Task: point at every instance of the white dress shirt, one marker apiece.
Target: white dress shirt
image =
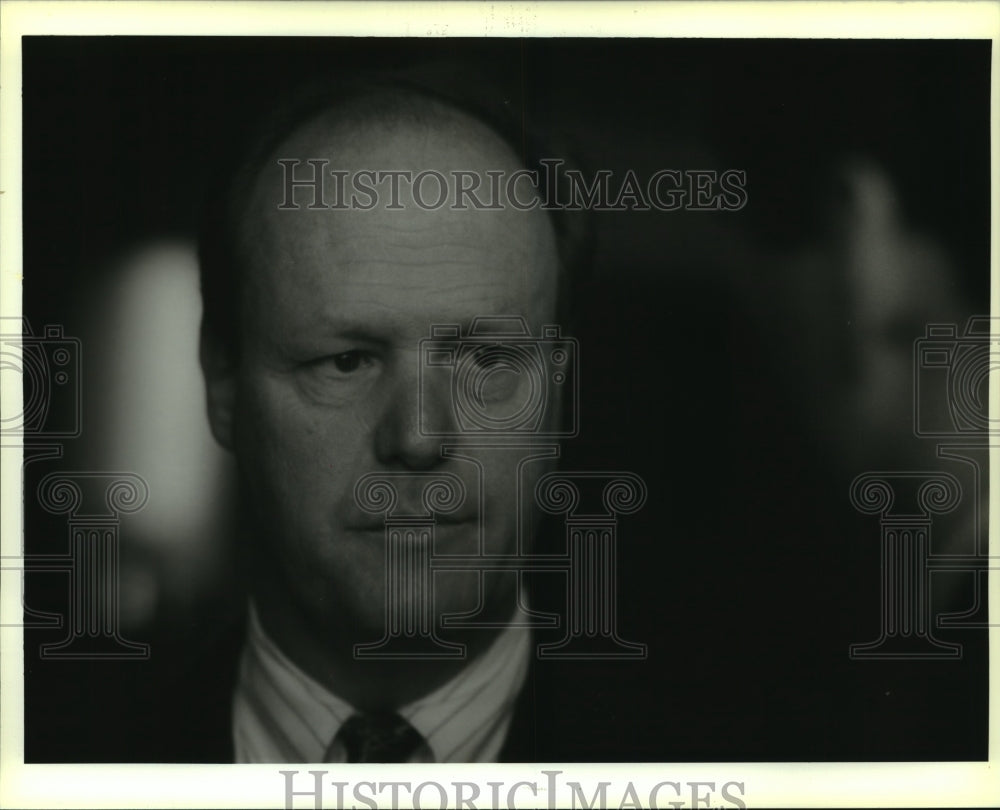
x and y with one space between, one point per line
280 714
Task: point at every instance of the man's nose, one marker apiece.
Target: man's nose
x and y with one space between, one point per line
414 415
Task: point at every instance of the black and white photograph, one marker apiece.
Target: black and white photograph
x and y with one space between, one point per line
585 403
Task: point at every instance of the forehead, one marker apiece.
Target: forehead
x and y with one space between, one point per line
399 264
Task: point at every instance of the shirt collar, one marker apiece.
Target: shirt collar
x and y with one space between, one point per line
281 714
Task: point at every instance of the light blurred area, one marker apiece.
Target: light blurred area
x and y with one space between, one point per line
852 304
144 407
842 318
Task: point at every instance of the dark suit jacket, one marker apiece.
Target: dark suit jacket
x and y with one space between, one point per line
570 711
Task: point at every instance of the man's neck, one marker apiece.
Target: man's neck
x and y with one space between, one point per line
367 684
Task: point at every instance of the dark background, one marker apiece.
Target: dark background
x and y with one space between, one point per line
716 348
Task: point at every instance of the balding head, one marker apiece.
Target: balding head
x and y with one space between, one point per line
410 220
332 123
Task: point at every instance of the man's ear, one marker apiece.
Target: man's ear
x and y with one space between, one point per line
218 366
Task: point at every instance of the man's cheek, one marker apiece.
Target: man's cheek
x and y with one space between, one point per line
283 429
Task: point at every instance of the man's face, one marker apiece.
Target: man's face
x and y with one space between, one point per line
335 303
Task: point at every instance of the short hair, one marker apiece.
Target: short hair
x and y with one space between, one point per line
360 96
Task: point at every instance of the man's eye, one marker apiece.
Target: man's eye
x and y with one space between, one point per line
341 364
347 362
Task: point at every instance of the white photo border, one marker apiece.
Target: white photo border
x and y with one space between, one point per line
251 786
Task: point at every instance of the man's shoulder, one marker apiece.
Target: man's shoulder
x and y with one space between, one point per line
194 715
175 706
611 711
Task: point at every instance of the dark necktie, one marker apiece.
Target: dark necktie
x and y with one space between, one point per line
382 737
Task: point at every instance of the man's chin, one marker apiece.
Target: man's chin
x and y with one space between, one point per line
382 616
